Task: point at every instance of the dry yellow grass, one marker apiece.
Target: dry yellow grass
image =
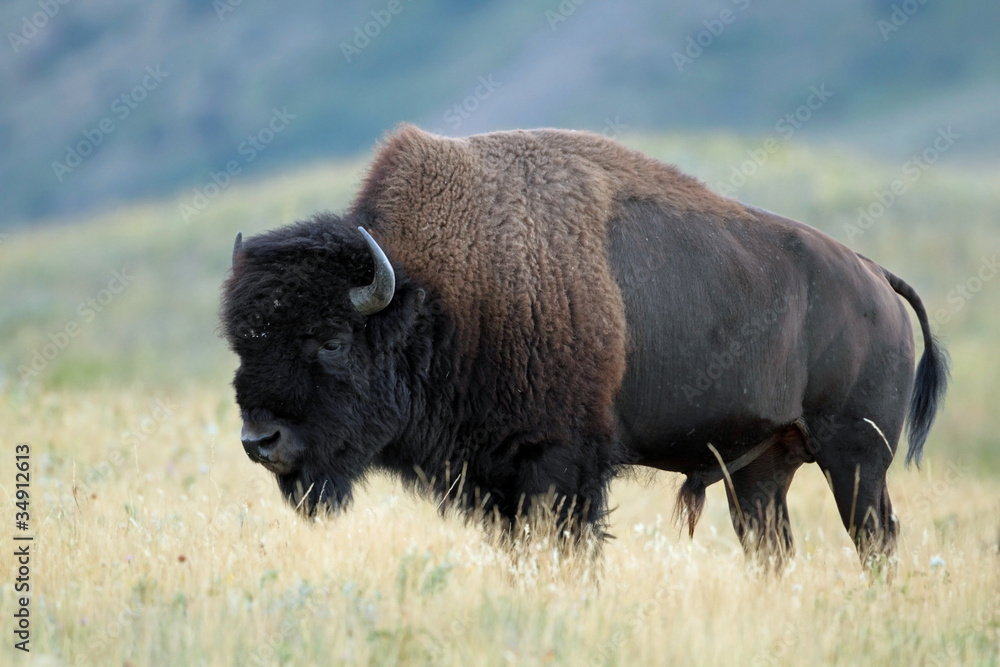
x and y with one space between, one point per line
175 550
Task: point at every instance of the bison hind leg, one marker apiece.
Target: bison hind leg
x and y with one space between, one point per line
690 502
757 497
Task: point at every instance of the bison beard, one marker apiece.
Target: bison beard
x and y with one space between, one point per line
555 299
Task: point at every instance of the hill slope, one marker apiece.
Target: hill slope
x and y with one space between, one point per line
83 121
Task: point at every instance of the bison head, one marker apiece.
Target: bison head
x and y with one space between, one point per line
321 323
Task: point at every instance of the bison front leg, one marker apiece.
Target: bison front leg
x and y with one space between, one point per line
758 509
557 487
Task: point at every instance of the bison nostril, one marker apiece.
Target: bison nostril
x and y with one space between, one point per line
259 441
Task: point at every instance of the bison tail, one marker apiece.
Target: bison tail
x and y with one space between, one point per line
932 375
690 502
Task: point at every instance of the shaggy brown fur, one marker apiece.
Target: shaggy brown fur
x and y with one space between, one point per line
455 211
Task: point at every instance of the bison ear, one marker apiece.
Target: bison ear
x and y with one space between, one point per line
392 332
238 245
372 298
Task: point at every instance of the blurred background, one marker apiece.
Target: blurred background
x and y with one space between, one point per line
136 140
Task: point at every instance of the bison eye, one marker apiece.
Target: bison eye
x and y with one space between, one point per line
332 352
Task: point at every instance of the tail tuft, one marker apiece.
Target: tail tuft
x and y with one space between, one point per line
928 394
690 502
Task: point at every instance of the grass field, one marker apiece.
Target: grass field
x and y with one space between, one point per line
157 542
168 547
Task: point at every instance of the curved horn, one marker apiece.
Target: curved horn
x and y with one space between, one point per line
238 245
370 299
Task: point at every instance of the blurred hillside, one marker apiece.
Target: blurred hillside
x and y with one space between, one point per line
108 103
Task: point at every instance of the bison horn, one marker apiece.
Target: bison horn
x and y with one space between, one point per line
372 298
238 245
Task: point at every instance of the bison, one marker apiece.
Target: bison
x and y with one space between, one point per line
525 314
